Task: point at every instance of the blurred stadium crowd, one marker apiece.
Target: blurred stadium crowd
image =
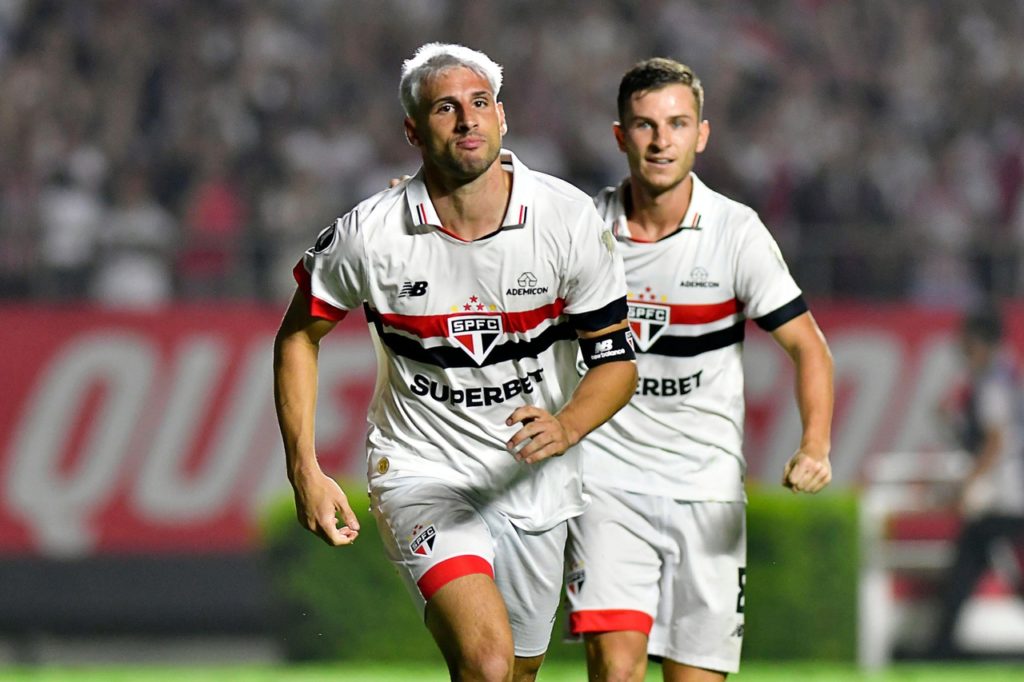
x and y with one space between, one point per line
158 150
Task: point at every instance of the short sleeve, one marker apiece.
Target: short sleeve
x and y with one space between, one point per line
763 283
332 271
595 286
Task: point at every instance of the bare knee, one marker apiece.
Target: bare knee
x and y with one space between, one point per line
618 669
486 663
468 620
617 657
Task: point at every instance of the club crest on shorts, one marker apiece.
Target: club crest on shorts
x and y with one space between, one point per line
423 540
476 328
647 321
574 581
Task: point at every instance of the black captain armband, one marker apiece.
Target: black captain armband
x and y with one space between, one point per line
610 347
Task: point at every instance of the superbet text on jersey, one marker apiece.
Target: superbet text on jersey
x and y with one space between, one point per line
689 297
466 332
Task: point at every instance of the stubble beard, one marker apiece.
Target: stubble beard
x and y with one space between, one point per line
661 183
469 167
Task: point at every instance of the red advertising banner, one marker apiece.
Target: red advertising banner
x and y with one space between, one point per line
155 432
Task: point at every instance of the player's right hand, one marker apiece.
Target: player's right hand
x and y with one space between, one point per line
319 502
805 473
542 435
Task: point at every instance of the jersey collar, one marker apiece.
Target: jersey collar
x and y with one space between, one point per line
519 205
694 219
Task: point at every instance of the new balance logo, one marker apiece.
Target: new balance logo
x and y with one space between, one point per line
413 289
603 346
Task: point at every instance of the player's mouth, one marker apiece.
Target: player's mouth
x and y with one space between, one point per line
659 161
471 143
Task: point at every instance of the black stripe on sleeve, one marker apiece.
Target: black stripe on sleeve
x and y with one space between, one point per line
605 316
689 346
780 316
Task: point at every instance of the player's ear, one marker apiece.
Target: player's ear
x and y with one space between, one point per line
503 124
410 132
703 133
620 135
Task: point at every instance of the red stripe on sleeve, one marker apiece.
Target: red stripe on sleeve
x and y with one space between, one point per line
702 314
448 570
317 307
610 620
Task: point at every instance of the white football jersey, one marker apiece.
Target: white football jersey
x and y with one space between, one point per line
995 405
689 296
466 332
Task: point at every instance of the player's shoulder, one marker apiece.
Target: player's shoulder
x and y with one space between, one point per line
727 213
380 207
374 213
606 199
559 193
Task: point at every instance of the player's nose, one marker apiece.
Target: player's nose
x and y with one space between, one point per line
467 119
659 139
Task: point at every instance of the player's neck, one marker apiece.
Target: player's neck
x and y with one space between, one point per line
474 209
653 215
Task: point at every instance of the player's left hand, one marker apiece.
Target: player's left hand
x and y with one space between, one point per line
805 473
546 436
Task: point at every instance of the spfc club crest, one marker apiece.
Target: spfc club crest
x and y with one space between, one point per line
574 581
423 540
476 331
647 321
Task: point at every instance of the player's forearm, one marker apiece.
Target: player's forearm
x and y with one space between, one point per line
295 384
603 391
814 395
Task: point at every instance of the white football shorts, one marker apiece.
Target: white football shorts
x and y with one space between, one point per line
671 569
434 534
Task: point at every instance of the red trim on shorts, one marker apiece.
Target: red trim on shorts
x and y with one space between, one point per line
317 307
610 620
448 570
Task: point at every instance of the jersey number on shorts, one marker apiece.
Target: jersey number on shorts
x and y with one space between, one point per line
740 599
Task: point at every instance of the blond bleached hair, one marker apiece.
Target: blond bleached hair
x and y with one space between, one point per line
434 58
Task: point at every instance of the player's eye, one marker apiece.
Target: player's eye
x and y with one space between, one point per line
480 103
